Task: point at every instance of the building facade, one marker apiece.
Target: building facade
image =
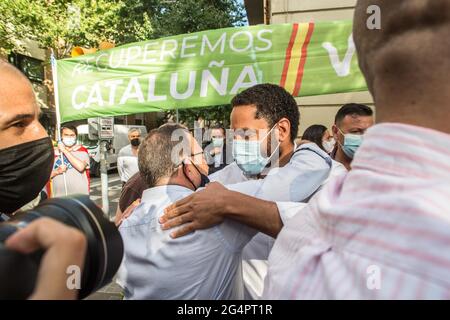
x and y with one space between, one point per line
317 109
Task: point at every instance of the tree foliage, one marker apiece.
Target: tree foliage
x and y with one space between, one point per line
177 17
62 24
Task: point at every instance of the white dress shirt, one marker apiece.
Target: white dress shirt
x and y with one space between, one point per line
231 174
382 231
127 163
308 169
205 264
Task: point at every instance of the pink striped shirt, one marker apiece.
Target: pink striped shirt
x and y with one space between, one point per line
381 231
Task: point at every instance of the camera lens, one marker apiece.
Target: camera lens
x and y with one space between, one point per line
104 244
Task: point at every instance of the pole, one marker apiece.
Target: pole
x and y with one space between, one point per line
178 119
104 177
58 115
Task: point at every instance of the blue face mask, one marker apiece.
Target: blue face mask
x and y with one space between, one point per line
248 157
351 143
217 142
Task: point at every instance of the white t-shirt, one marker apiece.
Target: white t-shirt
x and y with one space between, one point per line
127 163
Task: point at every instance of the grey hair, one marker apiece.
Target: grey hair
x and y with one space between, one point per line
155 158
133 130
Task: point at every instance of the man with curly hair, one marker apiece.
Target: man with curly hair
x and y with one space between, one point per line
267 167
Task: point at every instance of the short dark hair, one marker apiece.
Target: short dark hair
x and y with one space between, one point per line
352 109
218 126
155 153
272 104
315 134
69 127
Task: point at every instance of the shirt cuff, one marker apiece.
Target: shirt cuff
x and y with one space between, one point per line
288 210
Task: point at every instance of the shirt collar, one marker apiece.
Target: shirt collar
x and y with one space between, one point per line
311 145
405 150
160 191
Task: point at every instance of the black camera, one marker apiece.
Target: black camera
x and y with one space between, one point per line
18 272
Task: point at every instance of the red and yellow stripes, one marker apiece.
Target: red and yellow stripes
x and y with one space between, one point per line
296 52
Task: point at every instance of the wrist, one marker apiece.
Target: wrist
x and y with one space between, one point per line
228 203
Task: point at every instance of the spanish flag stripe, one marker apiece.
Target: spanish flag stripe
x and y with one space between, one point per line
288 55
301 67
295 58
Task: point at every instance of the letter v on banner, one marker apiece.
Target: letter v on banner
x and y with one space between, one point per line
342 68
296 52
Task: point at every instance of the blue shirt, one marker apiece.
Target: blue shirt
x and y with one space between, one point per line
205 264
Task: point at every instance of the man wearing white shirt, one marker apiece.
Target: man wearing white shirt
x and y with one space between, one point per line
216 152
127 161
265 122
205 264
382 231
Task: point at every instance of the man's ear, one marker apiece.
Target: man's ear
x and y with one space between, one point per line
335 130
187 167
284 129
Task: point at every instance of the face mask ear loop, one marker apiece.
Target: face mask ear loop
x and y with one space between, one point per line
343 134
268 133
278 146
187 177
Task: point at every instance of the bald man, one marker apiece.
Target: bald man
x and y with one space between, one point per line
382 231
26 159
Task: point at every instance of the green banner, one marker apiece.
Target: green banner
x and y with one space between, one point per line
208 68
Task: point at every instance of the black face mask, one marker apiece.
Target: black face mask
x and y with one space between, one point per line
204 180
135 142
24 171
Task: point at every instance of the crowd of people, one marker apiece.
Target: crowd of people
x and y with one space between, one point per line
358 212
231 225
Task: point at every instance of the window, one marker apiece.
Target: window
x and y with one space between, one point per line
31 67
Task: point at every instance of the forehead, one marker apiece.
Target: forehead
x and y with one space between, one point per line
16 94
195 146
190 144
353 121
243 117
134 133
67 131
217 132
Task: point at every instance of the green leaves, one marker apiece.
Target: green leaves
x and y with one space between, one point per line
178 17
216 114
60 25
63 24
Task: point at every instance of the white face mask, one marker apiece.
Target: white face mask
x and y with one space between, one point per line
329 145
69 141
